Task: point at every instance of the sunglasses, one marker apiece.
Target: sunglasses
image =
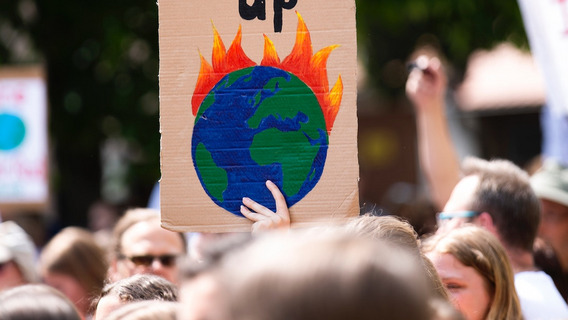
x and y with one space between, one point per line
458 214
167 260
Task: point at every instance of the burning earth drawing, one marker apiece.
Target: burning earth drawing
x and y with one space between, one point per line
258 122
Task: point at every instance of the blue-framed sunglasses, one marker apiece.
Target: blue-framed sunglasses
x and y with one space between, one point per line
458 214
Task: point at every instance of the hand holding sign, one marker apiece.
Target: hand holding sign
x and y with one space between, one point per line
265 219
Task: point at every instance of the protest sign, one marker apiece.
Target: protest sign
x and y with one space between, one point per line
253 91
23 139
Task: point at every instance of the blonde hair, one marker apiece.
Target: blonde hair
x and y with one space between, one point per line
477 248
395 230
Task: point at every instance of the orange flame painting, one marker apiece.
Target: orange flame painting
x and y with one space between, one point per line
308 67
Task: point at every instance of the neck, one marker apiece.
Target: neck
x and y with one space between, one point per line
563 260
521 260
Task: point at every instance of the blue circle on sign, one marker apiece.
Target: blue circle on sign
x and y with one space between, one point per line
12 131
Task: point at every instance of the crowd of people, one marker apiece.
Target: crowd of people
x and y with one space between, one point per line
500 252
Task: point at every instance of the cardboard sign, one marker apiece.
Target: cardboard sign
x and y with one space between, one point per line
23 139
252 91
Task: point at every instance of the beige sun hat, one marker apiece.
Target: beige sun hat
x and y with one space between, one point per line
551 182
16 245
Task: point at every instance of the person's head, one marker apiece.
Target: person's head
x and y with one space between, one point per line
36 301
550 184
497 195
327 276
17 256
140 287
141 245
475 269
146 310
395 230
74 264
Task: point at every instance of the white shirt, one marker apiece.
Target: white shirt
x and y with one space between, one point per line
539 297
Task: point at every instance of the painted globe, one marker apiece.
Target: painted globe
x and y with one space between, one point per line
256 124
12 131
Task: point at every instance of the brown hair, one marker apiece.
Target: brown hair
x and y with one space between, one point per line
478 248
394 229
504 192
74 252
327 276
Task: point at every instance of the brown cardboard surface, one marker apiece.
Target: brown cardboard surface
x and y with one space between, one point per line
186 31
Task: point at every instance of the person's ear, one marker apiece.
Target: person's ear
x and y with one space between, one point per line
486 221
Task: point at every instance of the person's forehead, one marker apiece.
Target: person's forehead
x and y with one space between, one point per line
462 194
148 237
106 305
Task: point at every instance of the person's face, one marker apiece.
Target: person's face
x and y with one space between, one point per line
554 226
70 287
467 288
460 200
148 240
10 275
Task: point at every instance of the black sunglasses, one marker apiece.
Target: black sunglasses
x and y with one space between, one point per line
167 260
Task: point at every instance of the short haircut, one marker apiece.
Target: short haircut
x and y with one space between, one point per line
36 301
505 193
328 276
139 287
129 219
479 249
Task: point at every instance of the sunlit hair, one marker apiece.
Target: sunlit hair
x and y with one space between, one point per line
478 248
74 252
36 301
504 191
394 229
331 275
139 287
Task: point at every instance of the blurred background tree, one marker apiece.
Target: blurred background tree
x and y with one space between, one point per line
101 59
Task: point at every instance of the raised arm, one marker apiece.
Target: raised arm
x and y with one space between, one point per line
426 87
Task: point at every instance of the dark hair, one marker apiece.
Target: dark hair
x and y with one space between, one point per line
139 287
505 193
36 301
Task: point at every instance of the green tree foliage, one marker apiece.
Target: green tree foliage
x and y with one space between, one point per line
389 31
101 59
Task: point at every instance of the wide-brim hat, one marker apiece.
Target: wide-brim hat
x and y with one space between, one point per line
551 182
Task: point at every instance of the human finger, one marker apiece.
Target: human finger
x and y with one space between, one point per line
257 207
253 216
281 206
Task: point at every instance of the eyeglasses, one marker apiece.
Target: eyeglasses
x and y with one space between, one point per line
458 214
167 260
